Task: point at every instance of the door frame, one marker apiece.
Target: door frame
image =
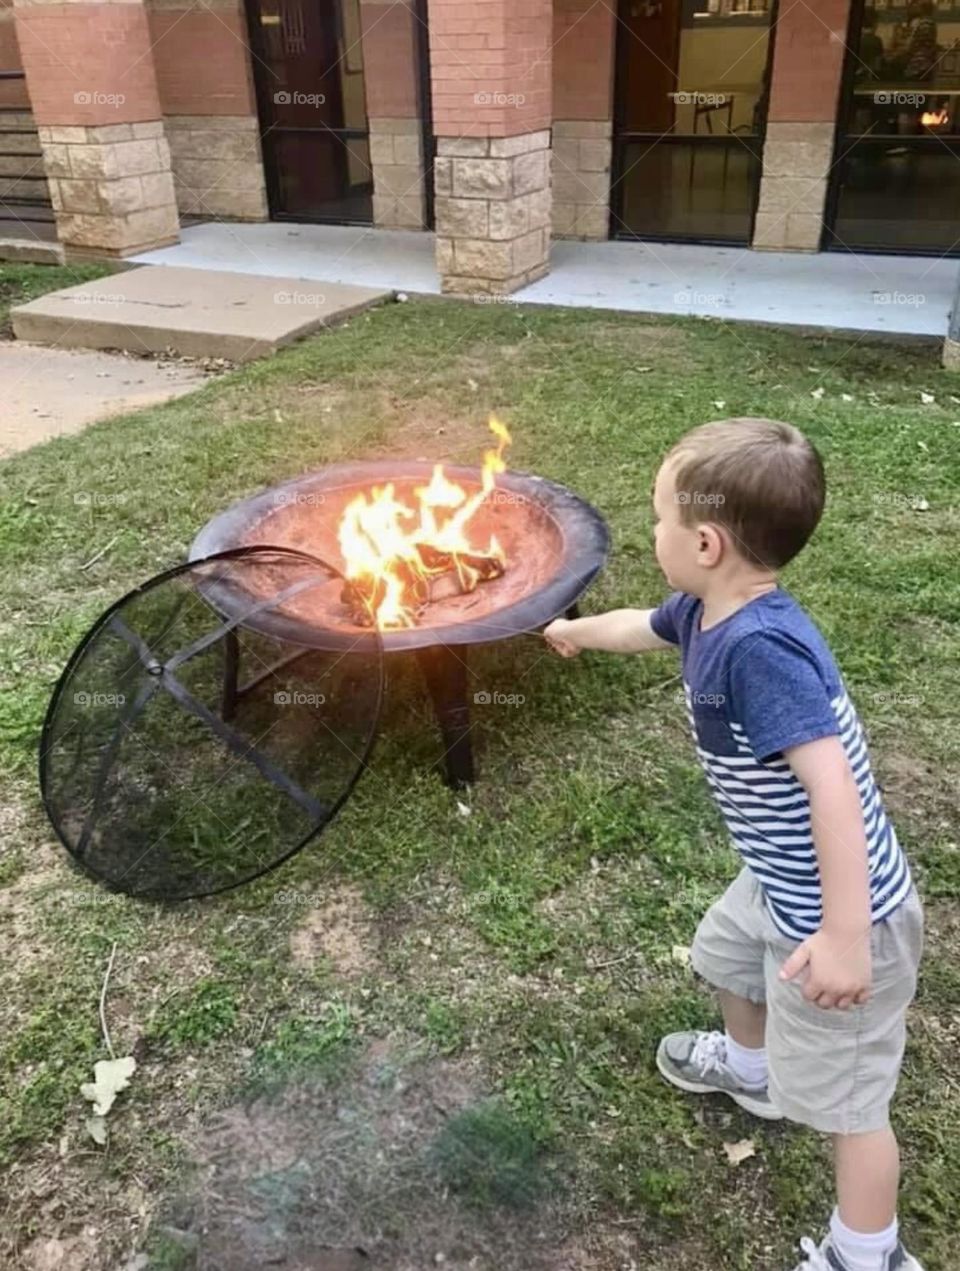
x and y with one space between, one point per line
845 103
622 138
263 93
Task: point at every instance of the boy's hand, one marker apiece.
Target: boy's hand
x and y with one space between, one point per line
557 636
838 967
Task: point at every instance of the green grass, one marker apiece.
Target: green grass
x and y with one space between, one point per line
533 939
20 283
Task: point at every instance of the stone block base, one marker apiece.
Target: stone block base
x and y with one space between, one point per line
492 212
582 154
951 354
217 166
793 189
396 160
111 188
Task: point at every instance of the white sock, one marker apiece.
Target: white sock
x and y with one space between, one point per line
863 1251
748 1066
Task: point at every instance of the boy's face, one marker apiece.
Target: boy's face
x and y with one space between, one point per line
677 545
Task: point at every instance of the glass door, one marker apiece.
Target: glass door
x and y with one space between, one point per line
896 177
690 109
308 68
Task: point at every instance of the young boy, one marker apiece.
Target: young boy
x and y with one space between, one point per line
814 948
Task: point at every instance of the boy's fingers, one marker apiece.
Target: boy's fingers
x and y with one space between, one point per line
796 962
844 1003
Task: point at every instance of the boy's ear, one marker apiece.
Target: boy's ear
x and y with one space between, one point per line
710 545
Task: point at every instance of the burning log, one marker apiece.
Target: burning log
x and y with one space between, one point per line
446 574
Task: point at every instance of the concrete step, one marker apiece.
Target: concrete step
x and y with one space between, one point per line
17 245
197 312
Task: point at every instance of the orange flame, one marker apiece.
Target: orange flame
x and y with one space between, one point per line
934 118
391 550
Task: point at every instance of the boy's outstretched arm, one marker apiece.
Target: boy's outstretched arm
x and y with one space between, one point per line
837 957
619 631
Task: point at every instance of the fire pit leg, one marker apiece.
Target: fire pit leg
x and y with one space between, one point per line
573 612
445 674
231 675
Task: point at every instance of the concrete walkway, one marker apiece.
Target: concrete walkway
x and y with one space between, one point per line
893 294
209 313
50 391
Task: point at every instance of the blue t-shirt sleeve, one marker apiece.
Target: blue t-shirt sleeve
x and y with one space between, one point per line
668 619
780 695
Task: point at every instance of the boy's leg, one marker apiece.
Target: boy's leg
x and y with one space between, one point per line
745 1021
728 951
836 1071
868 1177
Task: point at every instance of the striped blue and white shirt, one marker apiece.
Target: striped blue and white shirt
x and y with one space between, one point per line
757 683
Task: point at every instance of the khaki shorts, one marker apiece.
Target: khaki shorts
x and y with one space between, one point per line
833 1070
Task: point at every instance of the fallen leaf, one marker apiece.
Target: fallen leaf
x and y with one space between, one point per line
463 809
720 404
927 398
920 505
110 1076
681 953
472 385
817 393
96 1127
742 1151
846 397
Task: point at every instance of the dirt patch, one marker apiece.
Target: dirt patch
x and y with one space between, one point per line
53 391
53 1254
340 930
404 1164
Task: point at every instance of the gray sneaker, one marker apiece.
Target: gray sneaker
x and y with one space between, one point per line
697 1063
826 1258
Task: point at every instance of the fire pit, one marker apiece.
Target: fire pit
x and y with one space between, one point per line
552 544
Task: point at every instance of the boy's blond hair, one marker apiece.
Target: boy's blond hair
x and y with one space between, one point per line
759 478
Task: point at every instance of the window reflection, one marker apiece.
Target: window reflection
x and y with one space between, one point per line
898 160
690 91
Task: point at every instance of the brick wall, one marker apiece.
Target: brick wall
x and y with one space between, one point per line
808 54
85 63
202 61
389 59
490 66
583 50
205 83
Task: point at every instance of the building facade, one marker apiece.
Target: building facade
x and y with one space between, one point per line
798 125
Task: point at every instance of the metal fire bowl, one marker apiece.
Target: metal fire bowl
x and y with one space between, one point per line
555 544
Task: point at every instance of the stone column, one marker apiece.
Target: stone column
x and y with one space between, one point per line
201 53
390 72
491 78
810 38
583 53
91 81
